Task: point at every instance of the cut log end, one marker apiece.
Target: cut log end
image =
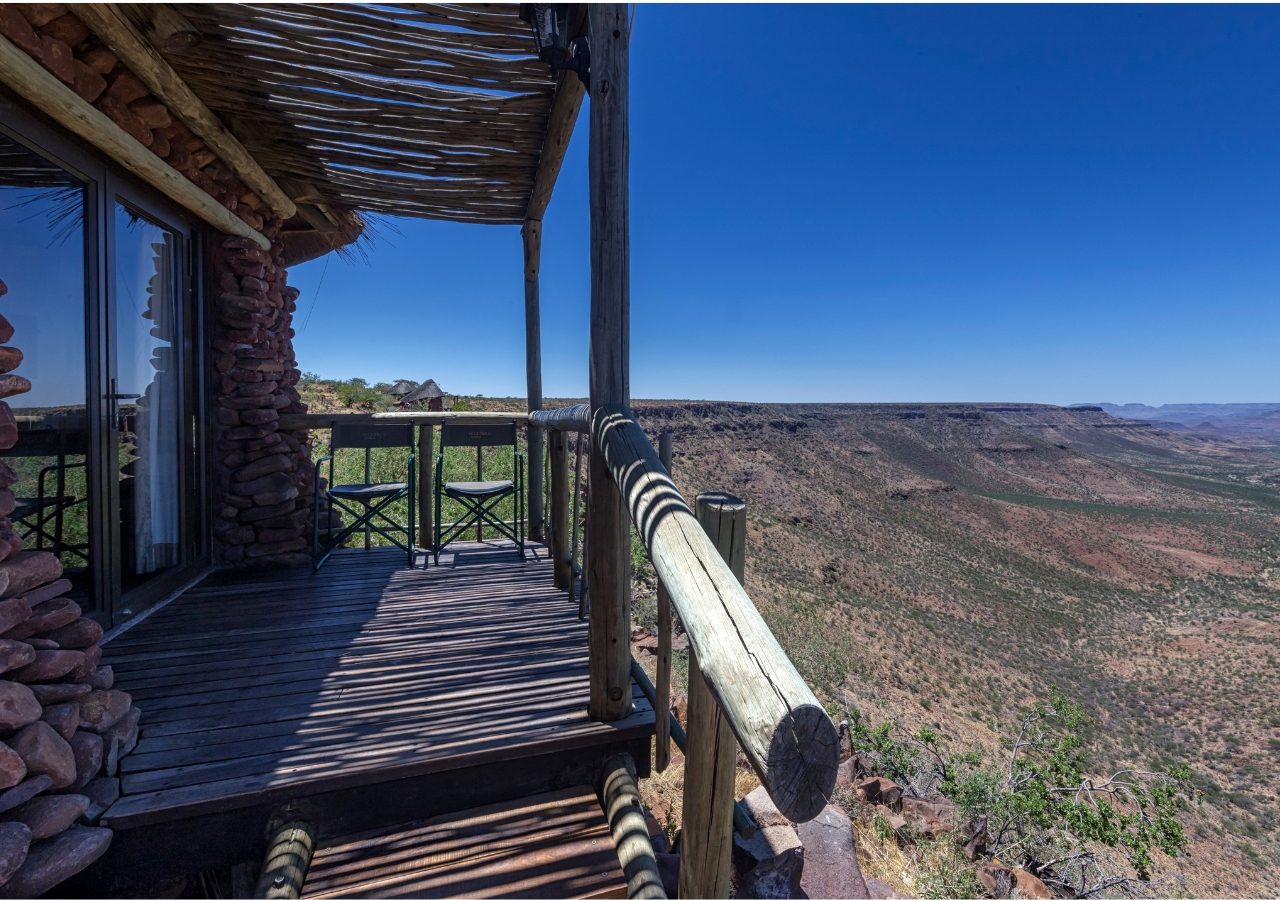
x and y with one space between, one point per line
803 757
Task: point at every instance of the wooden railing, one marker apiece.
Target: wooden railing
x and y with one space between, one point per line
741 683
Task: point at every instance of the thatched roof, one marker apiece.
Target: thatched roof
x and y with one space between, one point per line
427 110
428 390
402 387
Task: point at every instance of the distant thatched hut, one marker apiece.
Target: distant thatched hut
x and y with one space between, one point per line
402 388
426 394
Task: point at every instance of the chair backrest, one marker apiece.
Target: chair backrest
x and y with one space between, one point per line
369 434
484 434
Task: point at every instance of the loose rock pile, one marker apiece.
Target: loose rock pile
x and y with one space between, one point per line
264 482
63 728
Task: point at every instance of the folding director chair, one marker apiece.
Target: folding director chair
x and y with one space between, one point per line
479 498
365 504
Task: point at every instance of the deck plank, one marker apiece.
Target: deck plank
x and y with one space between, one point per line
272 685
551 845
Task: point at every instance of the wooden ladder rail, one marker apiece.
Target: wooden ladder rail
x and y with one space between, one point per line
751 687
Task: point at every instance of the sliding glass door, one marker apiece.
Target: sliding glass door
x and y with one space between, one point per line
106 469
148 290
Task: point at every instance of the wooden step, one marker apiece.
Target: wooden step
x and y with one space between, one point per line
548 845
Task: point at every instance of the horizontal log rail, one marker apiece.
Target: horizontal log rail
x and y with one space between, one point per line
566 418
304 421
782 728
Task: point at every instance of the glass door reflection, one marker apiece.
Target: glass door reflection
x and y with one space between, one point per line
146 388
46 475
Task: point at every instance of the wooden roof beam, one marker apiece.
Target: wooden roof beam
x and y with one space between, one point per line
45 92
564 113
118 33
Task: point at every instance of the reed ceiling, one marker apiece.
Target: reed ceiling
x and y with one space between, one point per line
433 111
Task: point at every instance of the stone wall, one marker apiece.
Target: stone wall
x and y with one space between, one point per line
262 490
63 728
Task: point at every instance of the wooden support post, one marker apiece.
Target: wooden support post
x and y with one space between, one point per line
621 798
608 529
662 702
532 239
560 534
707 835
288 859
426 485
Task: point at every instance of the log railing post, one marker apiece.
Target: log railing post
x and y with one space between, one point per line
288 858
662 740
531 234
608 529
559 533
426 485
621 799
707 831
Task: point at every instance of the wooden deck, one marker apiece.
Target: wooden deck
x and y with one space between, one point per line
354 696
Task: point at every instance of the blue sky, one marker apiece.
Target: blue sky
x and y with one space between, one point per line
1057 204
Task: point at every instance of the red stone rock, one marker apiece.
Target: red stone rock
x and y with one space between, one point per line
81 633
51 862
121 740
18 706
16 28
24 791
12 385
12 768
46 616
99 710
102 792
89 750
51 694
88 666
47 591
45 753
152 112
879 790
10 358
30 569
88 83
100 59
58 58
104 678
126 119
830 860
13 613
50 814
15 841
126 88
8 424
68 29
49 665
15 655
63 718
39 14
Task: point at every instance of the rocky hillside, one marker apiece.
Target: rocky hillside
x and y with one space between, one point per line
948 564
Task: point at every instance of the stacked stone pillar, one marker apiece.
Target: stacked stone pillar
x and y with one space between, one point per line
264 474
63 728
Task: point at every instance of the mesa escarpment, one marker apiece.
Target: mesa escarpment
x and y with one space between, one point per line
950 563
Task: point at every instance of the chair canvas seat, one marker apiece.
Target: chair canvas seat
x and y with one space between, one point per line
367 491
478 488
